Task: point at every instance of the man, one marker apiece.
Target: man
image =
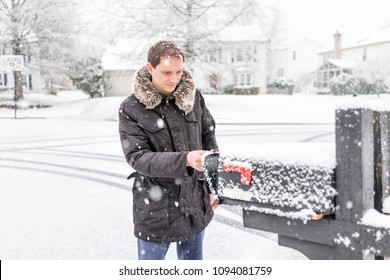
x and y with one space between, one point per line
165 128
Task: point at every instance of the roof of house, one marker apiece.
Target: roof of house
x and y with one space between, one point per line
292 43
380 36
240 33
341 63
127 54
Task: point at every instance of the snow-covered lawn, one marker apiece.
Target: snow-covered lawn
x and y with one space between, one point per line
298 108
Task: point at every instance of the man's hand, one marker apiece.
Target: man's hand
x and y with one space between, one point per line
194 159
212 202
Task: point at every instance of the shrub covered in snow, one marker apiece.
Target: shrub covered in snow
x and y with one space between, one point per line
281 86
359 83
231 89
88 76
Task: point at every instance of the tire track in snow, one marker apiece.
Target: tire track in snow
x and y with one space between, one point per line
58 139
219 218
54 146
72 155
88 170
316 137
50 150
73 175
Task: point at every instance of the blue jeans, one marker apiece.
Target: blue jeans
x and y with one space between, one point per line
186 250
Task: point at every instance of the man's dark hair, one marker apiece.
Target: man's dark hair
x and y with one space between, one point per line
164 49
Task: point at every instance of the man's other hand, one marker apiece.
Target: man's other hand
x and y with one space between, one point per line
194 159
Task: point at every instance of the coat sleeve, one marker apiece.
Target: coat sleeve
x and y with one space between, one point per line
139 154
208 127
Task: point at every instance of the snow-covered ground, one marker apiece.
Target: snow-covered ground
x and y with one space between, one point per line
63 192
299 108
64 196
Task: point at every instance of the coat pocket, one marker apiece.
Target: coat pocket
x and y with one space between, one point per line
151 124
150 207
206 196
194 131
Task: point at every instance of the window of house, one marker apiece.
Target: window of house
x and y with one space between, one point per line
30 83
239 54
3 79
248 53
26 58
294 55
364 54
254 54
248 79
212 56
27 81
326 57
3 49
24 80
215 55
244 79
280 72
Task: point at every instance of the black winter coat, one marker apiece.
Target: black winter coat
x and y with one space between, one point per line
156 135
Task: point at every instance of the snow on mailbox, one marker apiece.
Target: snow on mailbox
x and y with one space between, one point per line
295 180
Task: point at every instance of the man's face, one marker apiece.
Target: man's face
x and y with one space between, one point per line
167 74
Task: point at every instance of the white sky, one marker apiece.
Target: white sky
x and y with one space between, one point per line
319 19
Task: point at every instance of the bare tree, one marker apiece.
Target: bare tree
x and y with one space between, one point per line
195 24
45 24
191 22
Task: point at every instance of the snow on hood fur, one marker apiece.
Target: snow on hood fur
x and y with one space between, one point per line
148 95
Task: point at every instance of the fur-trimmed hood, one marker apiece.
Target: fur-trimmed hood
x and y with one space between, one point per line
148 95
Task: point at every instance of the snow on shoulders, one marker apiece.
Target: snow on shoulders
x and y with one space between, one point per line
311 154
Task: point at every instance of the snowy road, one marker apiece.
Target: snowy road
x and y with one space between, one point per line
256 134
64 194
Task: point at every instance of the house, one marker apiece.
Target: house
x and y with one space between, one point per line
121 61
371 48
233 59
294 62
31 76
370 54
333 68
